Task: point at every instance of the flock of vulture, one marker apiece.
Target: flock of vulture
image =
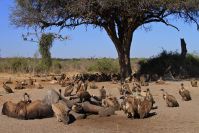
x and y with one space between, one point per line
77 103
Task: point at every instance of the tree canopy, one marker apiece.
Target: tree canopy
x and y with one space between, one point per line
104 13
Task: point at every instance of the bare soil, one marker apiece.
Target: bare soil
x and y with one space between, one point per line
184 119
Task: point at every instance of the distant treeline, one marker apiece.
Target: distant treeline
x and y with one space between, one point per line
34 65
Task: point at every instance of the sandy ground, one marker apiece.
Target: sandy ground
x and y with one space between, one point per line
184 119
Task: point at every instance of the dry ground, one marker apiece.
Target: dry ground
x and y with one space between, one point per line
184 119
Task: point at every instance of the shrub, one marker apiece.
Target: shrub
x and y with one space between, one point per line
40 68
173 62
56 66
19 65
105 66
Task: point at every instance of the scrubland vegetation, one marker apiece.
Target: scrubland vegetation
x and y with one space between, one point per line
30 65
160 64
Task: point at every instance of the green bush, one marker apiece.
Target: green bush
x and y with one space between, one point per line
19 65
105 66
173 62
40 68
56 66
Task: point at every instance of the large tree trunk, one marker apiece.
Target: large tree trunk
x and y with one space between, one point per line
122 43
124 62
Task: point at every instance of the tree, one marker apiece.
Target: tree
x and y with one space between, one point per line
45 44
119 18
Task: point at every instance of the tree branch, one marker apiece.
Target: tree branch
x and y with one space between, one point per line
162 21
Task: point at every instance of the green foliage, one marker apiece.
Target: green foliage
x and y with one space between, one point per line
105 66
45 44
34 65
56 67
19 65
40 68
15 65
173 61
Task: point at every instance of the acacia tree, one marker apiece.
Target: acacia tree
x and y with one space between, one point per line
119 18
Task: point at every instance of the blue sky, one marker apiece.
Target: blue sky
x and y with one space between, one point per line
94 42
